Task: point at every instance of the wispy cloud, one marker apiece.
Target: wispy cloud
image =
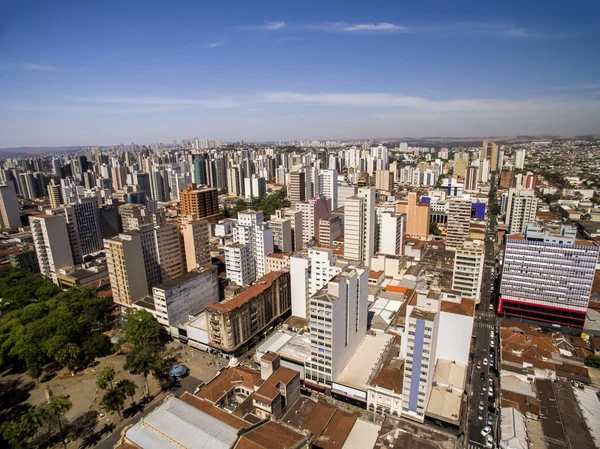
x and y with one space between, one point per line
345 27
265 26
215 44
592 86
395 103
35 67
211 102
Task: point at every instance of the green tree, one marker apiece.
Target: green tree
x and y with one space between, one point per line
58 405
128 387
592 361
69 356
433 228
15 434
141 360
105 378
114 400
142 329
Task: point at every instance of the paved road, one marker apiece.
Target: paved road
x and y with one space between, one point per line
482 406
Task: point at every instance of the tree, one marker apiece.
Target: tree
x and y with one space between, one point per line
142 329
69 356
105 377
114 400
15 433
58 405
433 228
128 387
140 360
592 361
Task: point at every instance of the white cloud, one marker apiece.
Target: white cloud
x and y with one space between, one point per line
215 44
213 102
394 105
36 67
273 25
383 26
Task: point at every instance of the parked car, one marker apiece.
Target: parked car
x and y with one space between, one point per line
179 371
486 431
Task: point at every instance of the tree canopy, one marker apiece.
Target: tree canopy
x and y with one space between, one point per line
40 324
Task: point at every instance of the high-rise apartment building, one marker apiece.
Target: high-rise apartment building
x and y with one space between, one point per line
296 224
195 235
310 270
391 231
168 251
239 263
282 234
200 202
54 194
338 324
471 177
297 187
468 268
255 187
490 151
520 159
51 241
233 323
521 210
328 186
9 206
235 184
548 278
417 216
384 180
313 210
359 226
126 270
83 219
459 221
330 229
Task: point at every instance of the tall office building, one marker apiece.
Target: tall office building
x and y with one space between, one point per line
126 268
548 278
9 206
490 151
313 210
459 221
520 210
328 186
330 229
235 185
417 216
468 268
338 322
200 202
297 187
51 241
195 235
359 226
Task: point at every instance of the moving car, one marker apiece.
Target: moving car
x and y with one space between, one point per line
480 405
485 362
486 431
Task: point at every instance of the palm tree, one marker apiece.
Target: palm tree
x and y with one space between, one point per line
128 387
58 405
106 377
141 360
113 400
33 419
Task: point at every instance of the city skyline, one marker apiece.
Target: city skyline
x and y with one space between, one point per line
102 74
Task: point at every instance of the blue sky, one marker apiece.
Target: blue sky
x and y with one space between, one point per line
104 72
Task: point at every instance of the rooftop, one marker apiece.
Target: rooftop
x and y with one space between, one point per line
227 379
368 357
269 390
270 435
263 284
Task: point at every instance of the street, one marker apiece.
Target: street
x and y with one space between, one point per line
483 409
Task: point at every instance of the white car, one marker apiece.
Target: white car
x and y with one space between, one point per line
481 405
490 439
486 431
485 362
